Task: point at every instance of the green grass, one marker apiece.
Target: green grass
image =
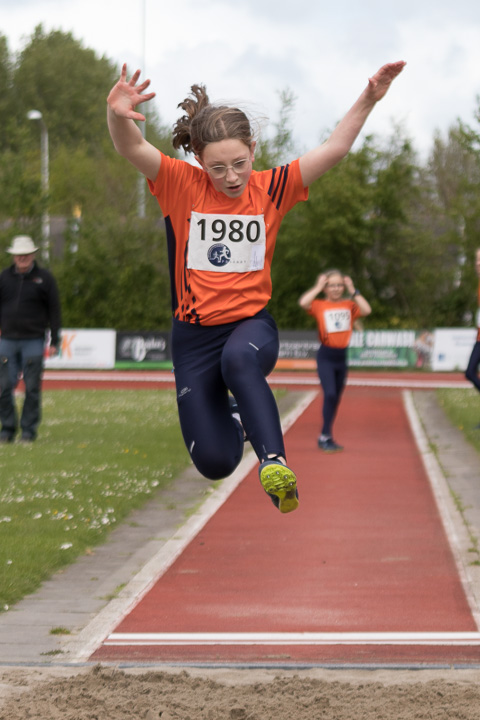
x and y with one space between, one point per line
462 407
99 454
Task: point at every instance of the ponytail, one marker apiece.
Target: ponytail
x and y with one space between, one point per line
204 123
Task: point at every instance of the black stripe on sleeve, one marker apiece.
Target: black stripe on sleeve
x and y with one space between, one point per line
277 185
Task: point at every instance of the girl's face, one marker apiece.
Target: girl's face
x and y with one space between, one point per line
335 287
229 165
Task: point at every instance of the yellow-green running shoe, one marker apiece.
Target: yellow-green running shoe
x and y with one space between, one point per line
280 483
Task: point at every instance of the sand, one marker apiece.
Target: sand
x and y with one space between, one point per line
101 693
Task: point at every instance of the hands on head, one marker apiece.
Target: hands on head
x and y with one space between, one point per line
350 287
125 96
322 280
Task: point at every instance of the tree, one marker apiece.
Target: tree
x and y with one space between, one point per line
68 84
270 152
406 233
375 217
115 275
402 260
328 231
6 94
454 171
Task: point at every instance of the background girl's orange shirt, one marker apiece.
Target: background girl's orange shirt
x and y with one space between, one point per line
335 321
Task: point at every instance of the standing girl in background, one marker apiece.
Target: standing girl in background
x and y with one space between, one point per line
335 316
221 220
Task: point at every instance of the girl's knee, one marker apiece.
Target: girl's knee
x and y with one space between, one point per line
330 398
247 356
238 362
214 466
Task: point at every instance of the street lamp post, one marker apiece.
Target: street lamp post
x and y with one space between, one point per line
37 115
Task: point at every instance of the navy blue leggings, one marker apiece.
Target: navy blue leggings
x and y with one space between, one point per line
471 373
332 371
209 361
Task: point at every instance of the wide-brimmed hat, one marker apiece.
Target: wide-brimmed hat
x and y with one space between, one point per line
22 245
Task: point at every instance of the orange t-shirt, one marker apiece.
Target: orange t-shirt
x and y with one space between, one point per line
220 249
335 321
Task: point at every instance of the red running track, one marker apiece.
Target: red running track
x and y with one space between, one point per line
361 573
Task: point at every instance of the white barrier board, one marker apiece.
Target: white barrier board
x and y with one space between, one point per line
452 348
85 349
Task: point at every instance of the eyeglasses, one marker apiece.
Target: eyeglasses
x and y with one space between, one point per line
220 171
335 285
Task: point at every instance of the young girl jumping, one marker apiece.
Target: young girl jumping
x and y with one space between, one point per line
222 219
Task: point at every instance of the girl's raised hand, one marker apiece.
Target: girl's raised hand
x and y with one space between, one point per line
125 96
321 281
350 287
381 81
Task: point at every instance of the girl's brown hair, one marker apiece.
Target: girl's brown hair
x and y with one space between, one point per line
204 123
334 271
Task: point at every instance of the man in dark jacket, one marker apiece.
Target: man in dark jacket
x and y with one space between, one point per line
29 304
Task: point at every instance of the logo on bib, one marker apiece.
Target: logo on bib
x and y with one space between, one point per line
338 320
219 255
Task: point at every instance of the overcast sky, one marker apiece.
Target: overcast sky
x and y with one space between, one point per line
249 50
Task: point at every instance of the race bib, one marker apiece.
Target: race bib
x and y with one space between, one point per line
478 318
226 243
337 320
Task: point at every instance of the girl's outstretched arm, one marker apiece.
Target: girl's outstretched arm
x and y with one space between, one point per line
317 161
121 115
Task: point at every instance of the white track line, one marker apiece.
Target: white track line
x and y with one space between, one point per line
88 640
307 638
374 382
274 379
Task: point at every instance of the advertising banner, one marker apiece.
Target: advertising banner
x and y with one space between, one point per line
391 349
85 350
445 349
143 349
298 345
368 348
452 348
